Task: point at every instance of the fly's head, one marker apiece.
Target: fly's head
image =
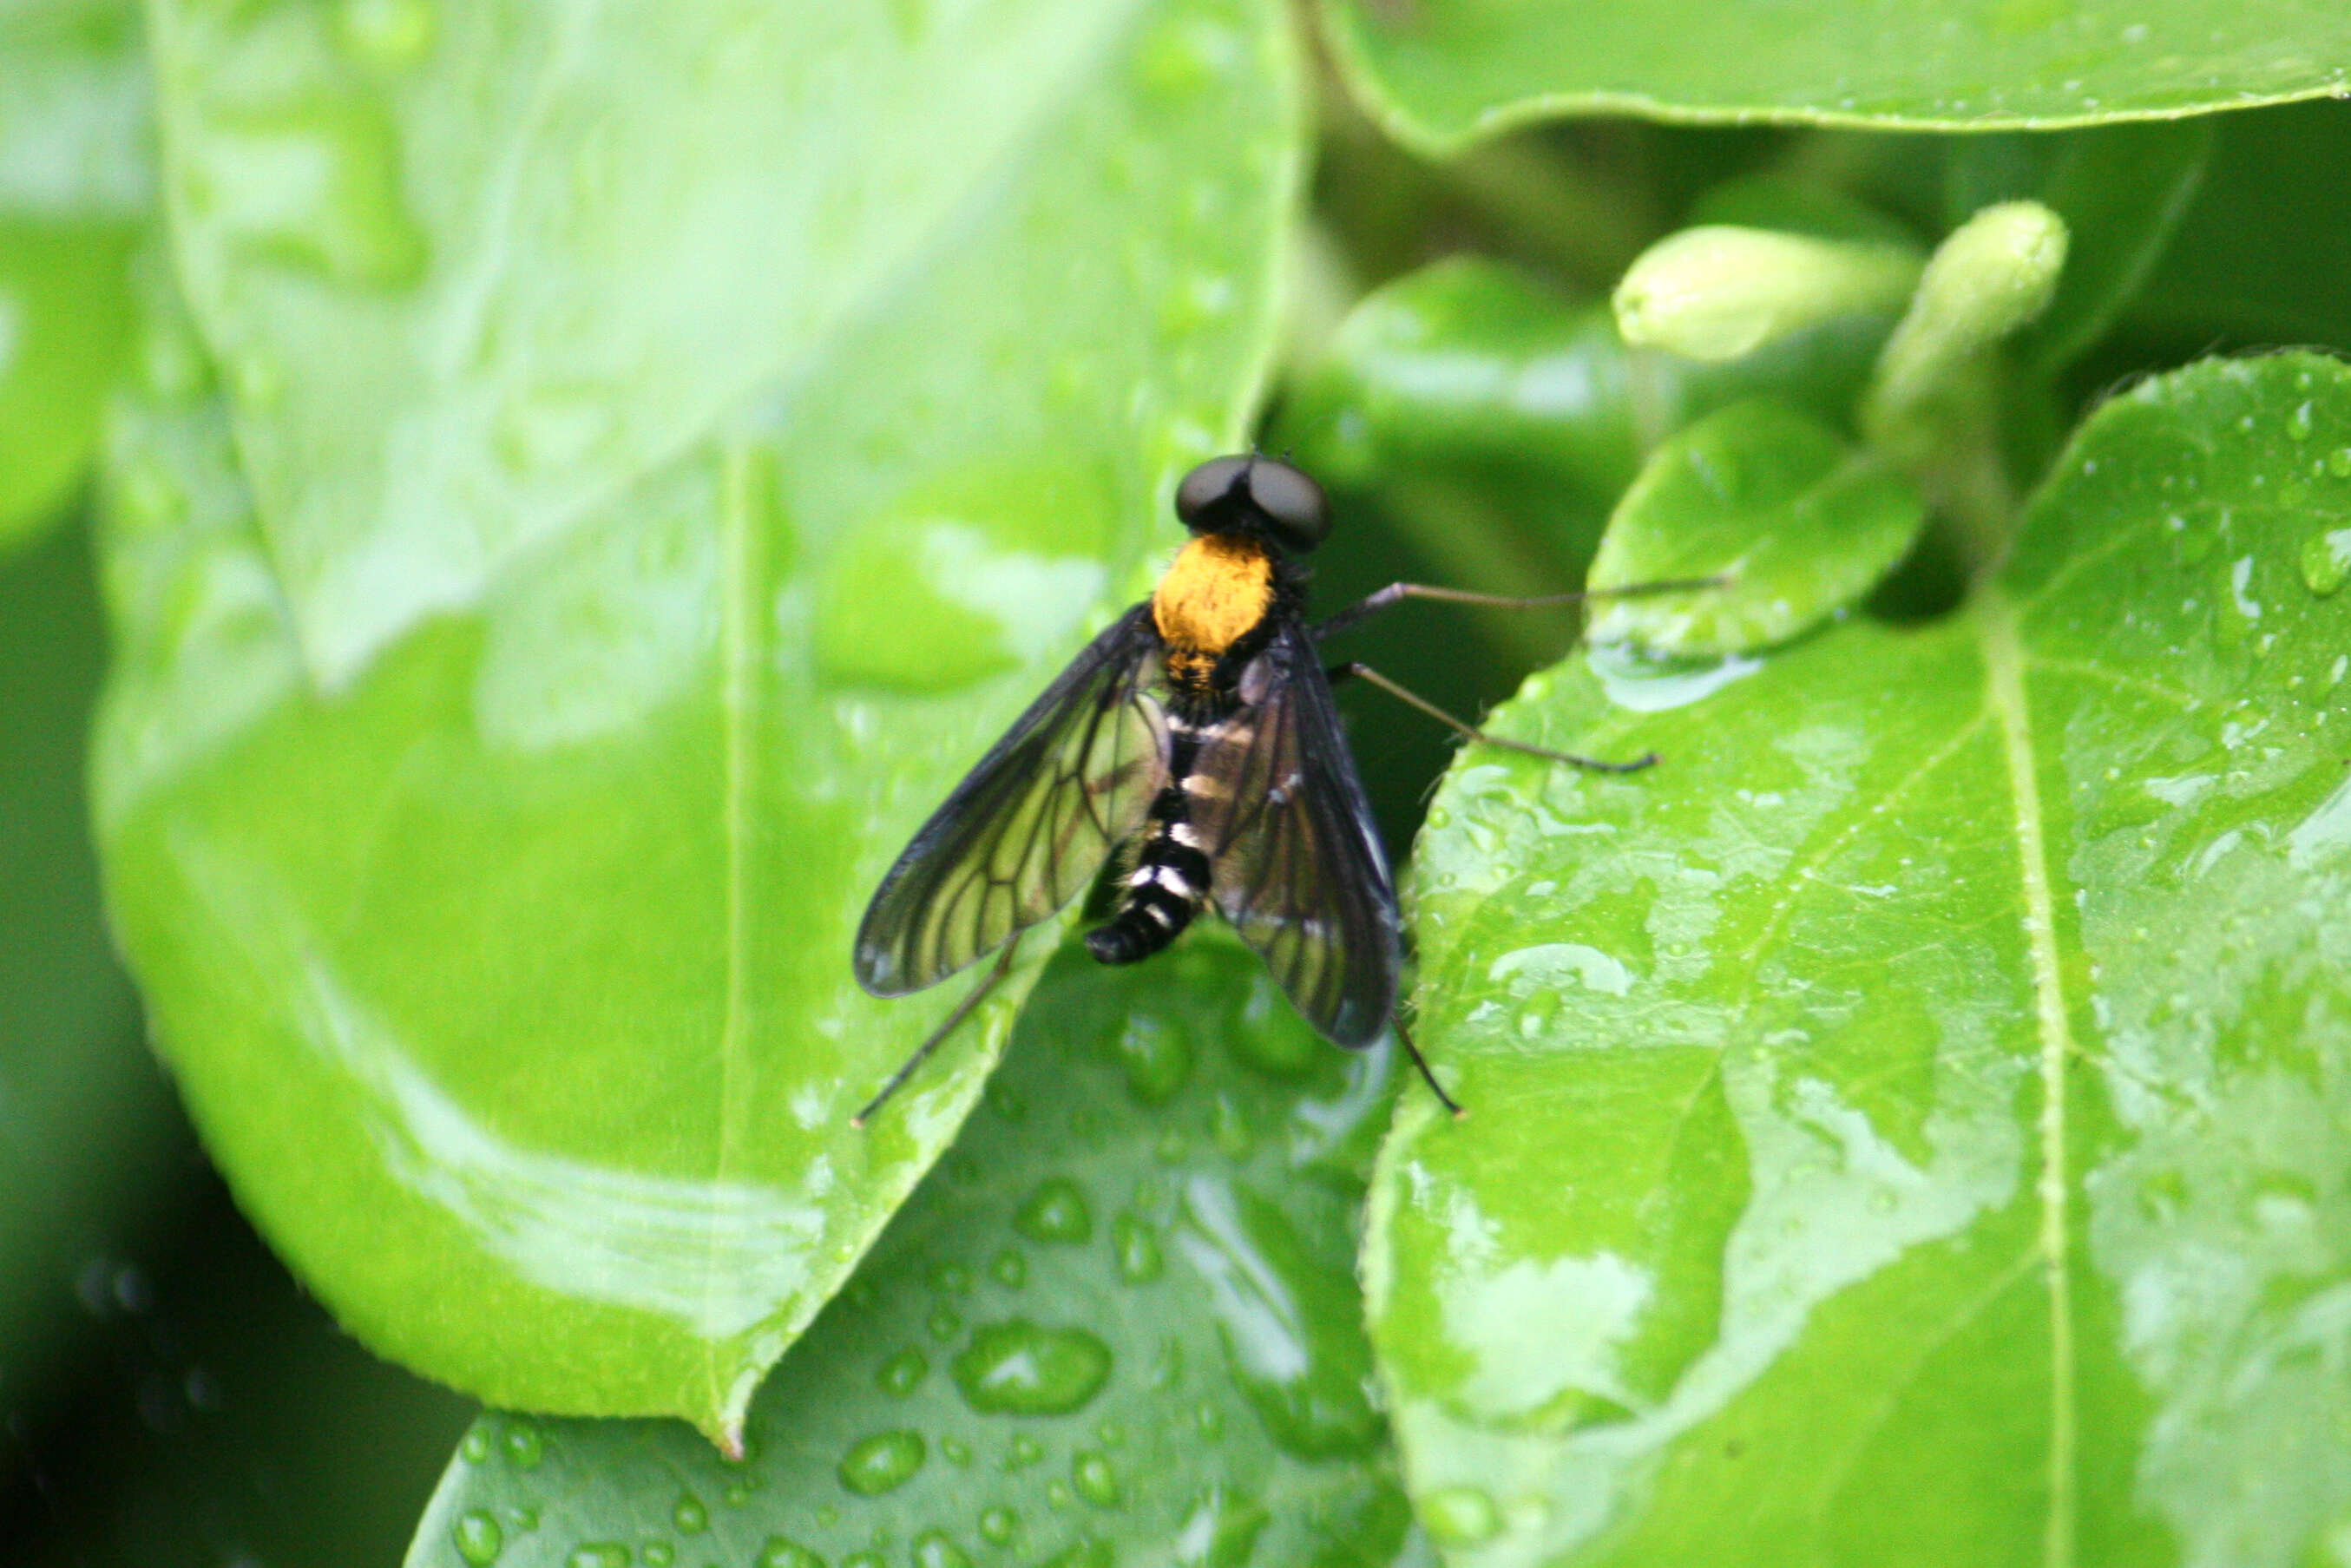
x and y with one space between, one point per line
1259 498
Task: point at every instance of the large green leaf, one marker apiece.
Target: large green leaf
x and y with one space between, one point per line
74 174
475 270
1911 1124
510 984
1438 75
1119 1324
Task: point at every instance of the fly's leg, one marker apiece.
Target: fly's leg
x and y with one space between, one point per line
1469 731
1397 592
1425 1075
947 1027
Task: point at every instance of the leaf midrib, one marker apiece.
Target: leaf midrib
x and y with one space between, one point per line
1996 631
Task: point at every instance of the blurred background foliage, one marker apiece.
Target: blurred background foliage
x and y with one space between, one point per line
168 1394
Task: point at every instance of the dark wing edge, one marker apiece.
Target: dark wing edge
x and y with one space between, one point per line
1296 865
1030 826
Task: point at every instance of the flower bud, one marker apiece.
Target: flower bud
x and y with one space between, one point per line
1718 292
1994 273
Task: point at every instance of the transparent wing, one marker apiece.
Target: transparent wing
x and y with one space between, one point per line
1295 860
1028 828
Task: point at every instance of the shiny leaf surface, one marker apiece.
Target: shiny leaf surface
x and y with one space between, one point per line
1120 1323
1800 521
1440 75
475 270
1910 1125
510 983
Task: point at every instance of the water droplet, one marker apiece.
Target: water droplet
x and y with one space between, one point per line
1136 1247
937 1549
2326 561
657 1553
943 1323
478 1538
2338 462
1289 1321
882 1462
1173 1147
1007 1103
688 1515
1220 1531
1459 1516
1438 817
1536 1018
1228 1126
1009 1269
597 1554
952 1278
1112 1434
735 1494
1210 1420
316 185
1096 1483
866 1560
476 1445
1018 1368
999 1525
1086 1554
1055 1211
957 1451
524 1447
2299 423
1157 1055
387 33
902 1373
780 1553
1023 1453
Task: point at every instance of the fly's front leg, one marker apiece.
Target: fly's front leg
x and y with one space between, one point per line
1363 672
1397 592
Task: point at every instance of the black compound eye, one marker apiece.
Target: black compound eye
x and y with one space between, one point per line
1199 497
1292 505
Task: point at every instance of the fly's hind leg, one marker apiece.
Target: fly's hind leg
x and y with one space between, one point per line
1469 731
947 1025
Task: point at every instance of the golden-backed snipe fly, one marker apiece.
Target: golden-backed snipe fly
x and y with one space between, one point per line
1195 740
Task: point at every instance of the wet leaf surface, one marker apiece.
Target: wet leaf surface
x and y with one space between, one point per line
1438 75
1910 1125
1120 1323
509 981
1798 522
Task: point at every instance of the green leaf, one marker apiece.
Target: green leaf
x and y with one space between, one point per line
2268 229
510 983
1119 1323
76 131
1910 1125
1802 521
74 174
1441 77
2121 190
83 1114
1438 75
65 324
1470 367
476 271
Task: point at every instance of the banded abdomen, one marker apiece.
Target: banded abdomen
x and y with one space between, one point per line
1170 879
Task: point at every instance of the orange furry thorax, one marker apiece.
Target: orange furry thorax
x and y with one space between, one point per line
1216 592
